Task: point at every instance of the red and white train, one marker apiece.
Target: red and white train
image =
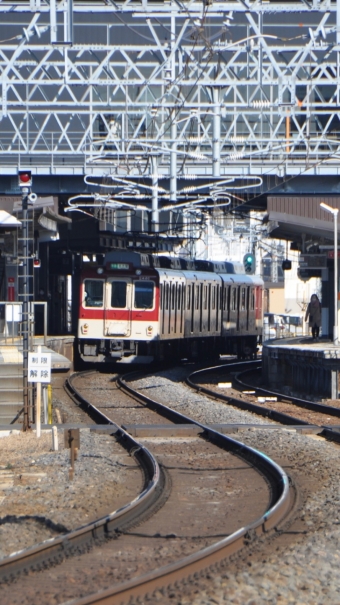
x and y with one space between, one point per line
138 308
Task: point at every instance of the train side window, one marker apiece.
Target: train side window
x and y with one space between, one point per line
252 299
217 305
179 297
213 302
161 291
225 298
166 296
189 298
205 297
192 287
144 291
173 295
197 299
243 299
118 294
233 299
94 292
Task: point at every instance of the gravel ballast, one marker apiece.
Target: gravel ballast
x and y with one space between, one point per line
302 571
37 498
298 568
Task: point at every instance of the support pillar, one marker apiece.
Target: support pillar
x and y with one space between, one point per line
216 133
334 384
155 209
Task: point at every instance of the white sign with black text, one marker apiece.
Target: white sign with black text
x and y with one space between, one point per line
39 367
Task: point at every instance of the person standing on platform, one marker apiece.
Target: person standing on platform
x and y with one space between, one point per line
314 314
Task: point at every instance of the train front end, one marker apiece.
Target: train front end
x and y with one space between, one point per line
118 310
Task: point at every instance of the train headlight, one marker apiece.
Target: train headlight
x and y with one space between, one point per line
84 328
100 270
138 272
149 330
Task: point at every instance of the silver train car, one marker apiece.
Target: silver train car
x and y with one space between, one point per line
137 308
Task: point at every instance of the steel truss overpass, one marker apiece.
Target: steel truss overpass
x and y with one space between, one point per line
229 96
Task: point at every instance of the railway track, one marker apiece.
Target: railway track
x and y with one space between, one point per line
247 394
208 454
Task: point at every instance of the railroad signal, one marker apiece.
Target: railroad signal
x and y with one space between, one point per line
249 263
286 265
25 178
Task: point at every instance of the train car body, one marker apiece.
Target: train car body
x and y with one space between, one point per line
138 308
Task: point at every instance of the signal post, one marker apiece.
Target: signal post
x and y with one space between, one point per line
25 184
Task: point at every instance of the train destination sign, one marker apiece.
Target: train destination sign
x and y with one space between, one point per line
119 266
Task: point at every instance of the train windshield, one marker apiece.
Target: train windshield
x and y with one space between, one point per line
144 294
94 289
118 294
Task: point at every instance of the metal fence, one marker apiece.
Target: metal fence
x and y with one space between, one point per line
11 321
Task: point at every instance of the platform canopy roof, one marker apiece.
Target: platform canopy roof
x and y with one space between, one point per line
301 217
7 220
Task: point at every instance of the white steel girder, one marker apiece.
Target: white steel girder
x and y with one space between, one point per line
210 89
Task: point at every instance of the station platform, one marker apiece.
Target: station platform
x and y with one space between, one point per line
307 366
11 353
11 370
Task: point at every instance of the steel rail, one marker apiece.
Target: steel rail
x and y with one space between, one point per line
58 548
325 430
216 553
240 403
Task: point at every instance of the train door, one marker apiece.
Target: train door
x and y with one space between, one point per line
233 309
117 310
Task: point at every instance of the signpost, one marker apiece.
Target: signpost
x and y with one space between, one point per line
39 370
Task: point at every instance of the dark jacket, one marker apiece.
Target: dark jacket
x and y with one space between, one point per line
314 314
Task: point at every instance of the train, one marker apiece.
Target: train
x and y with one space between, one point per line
139 308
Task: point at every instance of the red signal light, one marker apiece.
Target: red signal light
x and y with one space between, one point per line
25 178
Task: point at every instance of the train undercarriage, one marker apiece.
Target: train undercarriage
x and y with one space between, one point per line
134 351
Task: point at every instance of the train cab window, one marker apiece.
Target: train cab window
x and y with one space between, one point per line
94 291
118 294
144 294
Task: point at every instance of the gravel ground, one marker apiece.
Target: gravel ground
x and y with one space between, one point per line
298 568
301 570
38 500
168 388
